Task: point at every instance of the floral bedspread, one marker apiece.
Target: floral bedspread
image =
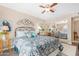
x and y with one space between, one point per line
37 46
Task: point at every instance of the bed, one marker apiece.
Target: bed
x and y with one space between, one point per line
28 43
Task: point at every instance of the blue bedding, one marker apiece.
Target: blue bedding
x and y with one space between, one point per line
36 46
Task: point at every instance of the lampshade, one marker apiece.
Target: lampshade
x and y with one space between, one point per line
5 28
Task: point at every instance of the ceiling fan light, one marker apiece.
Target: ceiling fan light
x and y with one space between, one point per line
47 9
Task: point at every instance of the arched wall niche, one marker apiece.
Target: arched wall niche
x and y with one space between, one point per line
24 23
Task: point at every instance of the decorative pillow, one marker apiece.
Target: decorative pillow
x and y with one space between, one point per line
28 34
33 34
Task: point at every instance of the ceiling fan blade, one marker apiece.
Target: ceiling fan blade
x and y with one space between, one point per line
43 12
52 10
42 6
53 4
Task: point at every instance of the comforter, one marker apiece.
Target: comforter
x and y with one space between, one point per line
37 46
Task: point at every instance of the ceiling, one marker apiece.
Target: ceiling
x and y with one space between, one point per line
34 9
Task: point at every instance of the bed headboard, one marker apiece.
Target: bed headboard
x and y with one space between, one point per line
24 25
25 29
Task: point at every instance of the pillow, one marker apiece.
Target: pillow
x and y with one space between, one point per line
28 34
21 33
33 34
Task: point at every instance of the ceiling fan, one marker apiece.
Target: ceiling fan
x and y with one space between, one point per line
48 7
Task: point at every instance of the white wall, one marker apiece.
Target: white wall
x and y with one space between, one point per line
14 16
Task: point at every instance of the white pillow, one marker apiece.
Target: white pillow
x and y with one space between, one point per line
21 33
28 34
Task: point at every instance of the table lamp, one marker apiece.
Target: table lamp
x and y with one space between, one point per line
5 28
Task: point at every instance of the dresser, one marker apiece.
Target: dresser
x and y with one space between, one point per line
76 39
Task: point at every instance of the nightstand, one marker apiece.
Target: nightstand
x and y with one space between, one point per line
1 46
5 45
8 42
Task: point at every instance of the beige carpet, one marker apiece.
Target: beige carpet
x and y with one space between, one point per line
69 50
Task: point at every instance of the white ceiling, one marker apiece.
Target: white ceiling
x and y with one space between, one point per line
34 9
